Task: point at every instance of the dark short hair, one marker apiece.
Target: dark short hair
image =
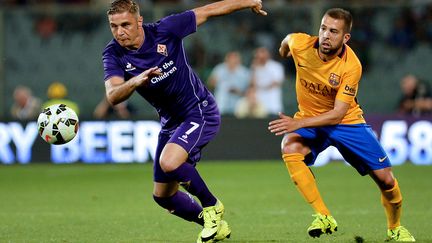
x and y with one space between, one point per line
339 13
121 6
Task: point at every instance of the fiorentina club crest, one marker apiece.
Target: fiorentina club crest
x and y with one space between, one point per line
334 79
162 49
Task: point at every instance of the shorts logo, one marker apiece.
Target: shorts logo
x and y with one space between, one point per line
382 159
334 79
184 137
162 49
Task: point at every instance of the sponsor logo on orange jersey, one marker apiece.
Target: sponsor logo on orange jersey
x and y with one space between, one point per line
316 88
350 90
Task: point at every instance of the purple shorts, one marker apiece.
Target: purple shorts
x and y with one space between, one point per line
192 134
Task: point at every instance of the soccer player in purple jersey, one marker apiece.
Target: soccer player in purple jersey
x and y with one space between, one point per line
150 59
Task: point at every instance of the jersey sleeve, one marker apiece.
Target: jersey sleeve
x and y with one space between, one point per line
179 25
350 82
297 41
111 65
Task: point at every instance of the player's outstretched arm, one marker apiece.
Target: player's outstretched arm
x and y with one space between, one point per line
117 90
226 7
286 124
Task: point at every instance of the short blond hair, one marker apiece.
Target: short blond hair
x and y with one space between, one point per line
121 6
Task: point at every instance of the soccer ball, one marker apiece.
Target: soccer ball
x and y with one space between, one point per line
57 124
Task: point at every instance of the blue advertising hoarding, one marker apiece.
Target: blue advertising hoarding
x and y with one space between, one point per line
125 141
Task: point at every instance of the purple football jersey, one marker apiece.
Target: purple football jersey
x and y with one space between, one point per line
178 92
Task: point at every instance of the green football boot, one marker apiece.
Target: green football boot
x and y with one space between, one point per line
212 221
399 234
223 233
322 224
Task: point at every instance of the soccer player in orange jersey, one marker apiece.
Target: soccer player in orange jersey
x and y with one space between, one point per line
328 74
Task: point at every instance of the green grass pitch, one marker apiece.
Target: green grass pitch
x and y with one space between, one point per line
113 203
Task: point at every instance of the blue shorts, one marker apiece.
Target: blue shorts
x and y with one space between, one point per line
192 134
357 143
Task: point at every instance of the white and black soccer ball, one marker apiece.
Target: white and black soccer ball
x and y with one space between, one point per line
58 124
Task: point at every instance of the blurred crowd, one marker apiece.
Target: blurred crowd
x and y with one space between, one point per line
412 27
247 82
254 91
240 91
416 97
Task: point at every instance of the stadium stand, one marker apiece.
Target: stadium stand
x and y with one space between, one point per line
73 52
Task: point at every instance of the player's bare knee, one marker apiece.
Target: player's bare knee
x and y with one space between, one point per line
167 165
290 147
385 182
293 143
384 178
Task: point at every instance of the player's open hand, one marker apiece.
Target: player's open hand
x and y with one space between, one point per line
284 124
257 8
143 78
